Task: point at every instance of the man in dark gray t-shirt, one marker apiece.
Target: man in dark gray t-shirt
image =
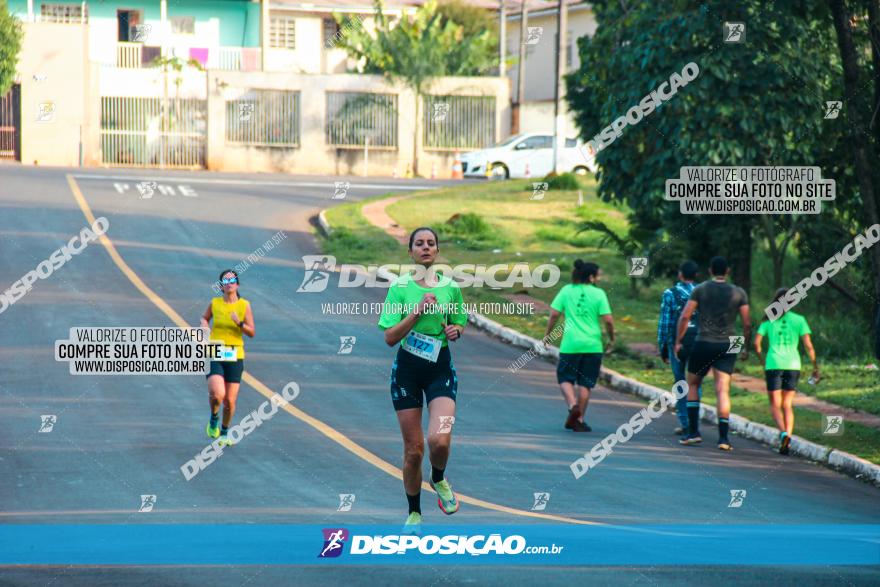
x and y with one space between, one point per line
719 304
716 346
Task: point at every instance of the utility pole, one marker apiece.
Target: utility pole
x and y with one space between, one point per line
558 138
264 33
502 41
166 123
521 73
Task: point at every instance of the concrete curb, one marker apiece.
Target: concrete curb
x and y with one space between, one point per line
832 458
835 459
322 222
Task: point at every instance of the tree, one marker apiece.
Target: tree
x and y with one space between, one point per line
415 50
755 103
474 22
862 151
10 45
778 234
636 243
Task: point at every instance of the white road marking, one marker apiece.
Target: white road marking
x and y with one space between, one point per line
305 184
165 190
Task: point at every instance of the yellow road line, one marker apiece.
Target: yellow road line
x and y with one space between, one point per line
325 429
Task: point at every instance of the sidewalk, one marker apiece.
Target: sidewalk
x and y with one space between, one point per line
375 214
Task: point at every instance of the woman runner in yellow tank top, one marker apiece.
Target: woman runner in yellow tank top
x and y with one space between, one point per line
232 317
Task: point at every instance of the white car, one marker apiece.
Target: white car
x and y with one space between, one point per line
528 155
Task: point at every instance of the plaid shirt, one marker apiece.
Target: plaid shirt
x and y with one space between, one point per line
668 321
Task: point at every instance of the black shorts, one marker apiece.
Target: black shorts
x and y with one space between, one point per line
779 379
413 379
687 345
707 355
580 368
230 370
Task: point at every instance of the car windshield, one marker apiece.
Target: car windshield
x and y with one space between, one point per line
506 142
569 143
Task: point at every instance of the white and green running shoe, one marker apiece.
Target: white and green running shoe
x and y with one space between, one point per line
212 432
413 524
446 498
224 441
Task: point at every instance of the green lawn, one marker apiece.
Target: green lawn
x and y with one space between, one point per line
544 231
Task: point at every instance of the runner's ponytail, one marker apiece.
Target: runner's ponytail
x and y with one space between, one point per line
583 271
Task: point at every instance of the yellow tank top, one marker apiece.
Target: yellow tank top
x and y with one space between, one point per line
222 326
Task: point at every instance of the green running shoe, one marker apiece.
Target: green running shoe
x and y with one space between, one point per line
212 432
446 498
413 524
224 441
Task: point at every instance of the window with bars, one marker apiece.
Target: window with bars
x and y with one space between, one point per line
352 117
282 32
264 118
458 122
63 13
183 25
331 32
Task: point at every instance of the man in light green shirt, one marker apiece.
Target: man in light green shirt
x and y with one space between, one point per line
584 306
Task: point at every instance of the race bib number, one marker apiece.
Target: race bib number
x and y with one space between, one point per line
227 353
422 345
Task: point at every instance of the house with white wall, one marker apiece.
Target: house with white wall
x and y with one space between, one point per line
536 105
230 35
269 91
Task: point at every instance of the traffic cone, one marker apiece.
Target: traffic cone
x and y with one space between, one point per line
394 171
457 172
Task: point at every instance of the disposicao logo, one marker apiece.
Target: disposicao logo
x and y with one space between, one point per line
334 541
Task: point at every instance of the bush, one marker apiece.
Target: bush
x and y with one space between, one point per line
360 246
471 232
565 233
564 181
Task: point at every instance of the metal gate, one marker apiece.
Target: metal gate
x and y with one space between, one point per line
10 124
136 132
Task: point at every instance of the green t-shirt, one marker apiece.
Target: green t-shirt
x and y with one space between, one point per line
783 336
403 296
582 305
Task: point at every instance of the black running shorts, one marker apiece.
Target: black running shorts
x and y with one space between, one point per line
230 370
779 379
413 379
707 355
580 368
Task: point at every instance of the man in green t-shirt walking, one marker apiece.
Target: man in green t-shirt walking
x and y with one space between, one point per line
585 307
783 366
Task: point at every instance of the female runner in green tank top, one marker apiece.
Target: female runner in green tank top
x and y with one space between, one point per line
783 366
423 313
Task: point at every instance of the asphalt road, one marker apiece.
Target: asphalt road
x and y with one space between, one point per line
119 437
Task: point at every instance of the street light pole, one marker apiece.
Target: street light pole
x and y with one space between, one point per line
558 123
521 74
502 41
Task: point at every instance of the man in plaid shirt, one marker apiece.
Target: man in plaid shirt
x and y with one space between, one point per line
671 305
